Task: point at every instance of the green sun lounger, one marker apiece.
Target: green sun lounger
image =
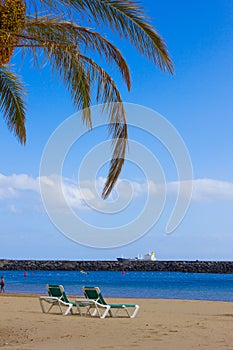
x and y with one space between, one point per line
56 297
102 308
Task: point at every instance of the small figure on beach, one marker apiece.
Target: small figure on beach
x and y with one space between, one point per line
2 285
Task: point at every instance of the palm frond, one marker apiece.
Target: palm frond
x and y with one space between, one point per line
108 94
61 41
66 33
76 79
66 46
12 103
71 67
82 77
129 20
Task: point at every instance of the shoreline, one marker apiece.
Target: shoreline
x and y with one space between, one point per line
223 267
160 324
36 295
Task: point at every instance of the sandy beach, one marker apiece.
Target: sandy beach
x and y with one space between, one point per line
160 324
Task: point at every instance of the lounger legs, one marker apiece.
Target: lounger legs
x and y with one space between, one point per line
42 306
52 302
135 311
69 309
98 308
108 310
42 301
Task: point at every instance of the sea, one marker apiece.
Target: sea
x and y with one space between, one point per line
125 284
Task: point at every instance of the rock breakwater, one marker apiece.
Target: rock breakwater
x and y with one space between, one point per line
129 265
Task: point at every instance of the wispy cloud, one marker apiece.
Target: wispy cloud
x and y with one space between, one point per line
22 188
11 186
60 192
206 190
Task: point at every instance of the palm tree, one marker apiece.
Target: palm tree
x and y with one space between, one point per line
52 28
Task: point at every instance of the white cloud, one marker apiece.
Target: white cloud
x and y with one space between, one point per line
60 194
212 190
205 190
23 188
11 186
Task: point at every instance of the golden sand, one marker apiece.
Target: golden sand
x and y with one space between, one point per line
160 324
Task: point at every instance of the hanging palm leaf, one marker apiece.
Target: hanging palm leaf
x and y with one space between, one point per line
52 27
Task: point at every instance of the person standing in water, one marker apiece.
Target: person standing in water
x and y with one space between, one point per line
2 285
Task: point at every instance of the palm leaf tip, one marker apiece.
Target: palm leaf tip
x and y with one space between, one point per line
118 158
116 167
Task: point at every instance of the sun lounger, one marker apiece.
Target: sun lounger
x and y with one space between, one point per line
102 308
57 297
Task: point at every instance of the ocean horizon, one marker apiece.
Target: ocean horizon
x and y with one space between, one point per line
125 284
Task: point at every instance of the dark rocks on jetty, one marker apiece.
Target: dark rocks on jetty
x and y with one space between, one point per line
129 265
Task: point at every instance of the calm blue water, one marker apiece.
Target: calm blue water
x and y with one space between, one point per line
165 285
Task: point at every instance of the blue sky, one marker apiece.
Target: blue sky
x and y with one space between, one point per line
197 101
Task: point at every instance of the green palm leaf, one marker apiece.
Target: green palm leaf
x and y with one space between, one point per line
71 67
12 102
108 93
61 43
45 30
129 20
68 47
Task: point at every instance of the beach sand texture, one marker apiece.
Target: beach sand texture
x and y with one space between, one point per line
160 324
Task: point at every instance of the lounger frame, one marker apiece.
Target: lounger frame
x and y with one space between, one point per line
102 308
56 297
